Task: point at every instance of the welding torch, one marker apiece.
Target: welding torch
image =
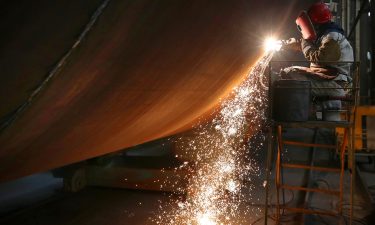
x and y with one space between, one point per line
277 45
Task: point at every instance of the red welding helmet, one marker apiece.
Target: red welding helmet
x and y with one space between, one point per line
305 26
319 13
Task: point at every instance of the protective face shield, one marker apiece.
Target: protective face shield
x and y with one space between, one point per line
305 26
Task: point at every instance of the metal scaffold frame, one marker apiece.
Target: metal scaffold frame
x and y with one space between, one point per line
344 146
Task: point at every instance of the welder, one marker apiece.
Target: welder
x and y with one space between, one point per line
325 46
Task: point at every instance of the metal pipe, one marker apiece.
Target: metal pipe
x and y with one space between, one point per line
361 11
372 79
344 14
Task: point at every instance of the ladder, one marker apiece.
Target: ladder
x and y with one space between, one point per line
344 146
340 148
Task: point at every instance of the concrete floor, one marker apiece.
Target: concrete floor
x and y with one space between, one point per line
92 206
98 206
39 199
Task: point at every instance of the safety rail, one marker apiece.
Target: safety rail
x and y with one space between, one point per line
349 100
344 125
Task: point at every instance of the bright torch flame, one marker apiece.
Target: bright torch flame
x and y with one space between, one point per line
271 44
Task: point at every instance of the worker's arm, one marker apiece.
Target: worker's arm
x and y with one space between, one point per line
328 51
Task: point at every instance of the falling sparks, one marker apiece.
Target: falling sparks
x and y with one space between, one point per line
205 219
223 163
232 186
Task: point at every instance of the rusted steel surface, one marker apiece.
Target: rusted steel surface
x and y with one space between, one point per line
146 70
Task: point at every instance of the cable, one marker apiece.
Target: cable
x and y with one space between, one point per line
321 209
272 206
322 220
345 216
323 181
256 221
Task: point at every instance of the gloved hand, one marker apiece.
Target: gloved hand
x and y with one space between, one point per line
306 45
292 44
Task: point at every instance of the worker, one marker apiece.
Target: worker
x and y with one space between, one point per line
324 45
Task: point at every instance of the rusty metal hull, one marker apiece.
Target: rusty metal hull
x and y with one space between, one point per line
146 70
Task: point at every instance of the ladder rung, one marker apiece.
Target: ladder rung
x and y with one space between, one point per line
324 191
308 144
310 211
317 168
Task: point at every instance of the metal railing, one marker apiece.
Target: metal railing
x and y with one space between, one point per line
344 145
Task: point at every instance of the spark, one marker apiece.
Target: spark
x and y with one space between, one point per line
244 92
232 131
222 162
232 186
205 220
226 167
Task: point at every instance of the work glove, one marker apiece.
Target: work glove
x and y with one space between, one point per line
292 44
306 45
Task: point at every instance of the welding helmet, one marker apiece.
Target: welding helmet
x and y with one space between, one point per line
305 26
319 13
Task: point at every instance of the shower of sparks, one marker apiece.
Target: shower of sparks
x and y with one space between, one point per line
223 164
